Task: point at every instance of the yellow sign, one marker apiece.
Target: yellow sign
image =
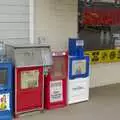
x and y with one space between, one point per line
104 56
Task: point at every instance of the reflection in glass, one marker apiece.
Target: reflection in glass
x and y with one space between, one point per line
3 76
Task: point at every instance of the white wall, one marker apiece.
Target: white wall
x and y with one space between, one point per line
57 21
105 74
14 21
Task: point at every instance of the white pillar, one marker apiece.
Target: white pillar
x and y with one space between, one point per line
107 37
32 22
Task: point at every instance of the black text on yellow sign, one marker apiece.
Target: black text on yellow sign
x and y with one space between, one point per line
104 56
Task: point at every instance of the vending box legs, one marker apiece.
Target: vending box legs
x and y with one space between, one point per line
56 82
28 89
6 81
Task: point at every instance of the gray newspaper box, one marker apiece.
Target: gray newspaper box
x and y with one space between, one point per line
30 55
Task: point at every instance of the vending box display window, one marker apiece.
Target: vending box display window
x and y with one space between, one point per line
78 67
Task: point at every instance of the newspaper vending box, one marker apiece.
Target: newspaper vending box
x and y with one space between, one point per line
56 82
29 78
78 73
6 83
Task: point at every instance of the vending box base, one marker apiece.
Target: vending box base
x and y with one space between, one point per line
78 90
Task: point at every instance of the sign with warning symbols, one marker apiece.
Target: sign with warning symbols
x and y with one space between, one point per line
104 56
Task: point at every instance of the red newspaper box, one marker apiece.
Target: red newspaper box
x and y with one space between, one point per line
56 82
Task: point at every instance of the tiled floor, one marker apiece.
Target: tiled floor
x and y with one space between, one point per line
104 104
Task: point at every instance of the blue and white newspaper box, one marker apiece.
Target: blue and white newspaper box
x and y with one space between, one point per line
79 74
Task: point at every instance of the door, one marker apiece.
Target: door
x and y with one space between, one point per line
29 88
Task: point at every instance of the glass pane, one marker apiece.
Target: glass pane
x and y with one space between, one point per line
3 76
59 67
29 79
78 67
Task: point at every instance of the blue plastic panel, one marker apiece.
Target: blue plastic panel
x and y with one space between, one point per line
78 67
76 47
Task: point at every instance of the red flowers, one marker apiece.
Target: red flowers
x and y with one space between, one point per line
101 16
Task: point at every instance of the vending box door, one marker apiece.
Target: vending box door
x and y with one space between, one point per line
28 89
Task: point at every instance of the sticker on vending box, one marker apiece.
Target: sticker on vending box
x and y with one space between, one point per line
56 91
4 102
80 43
